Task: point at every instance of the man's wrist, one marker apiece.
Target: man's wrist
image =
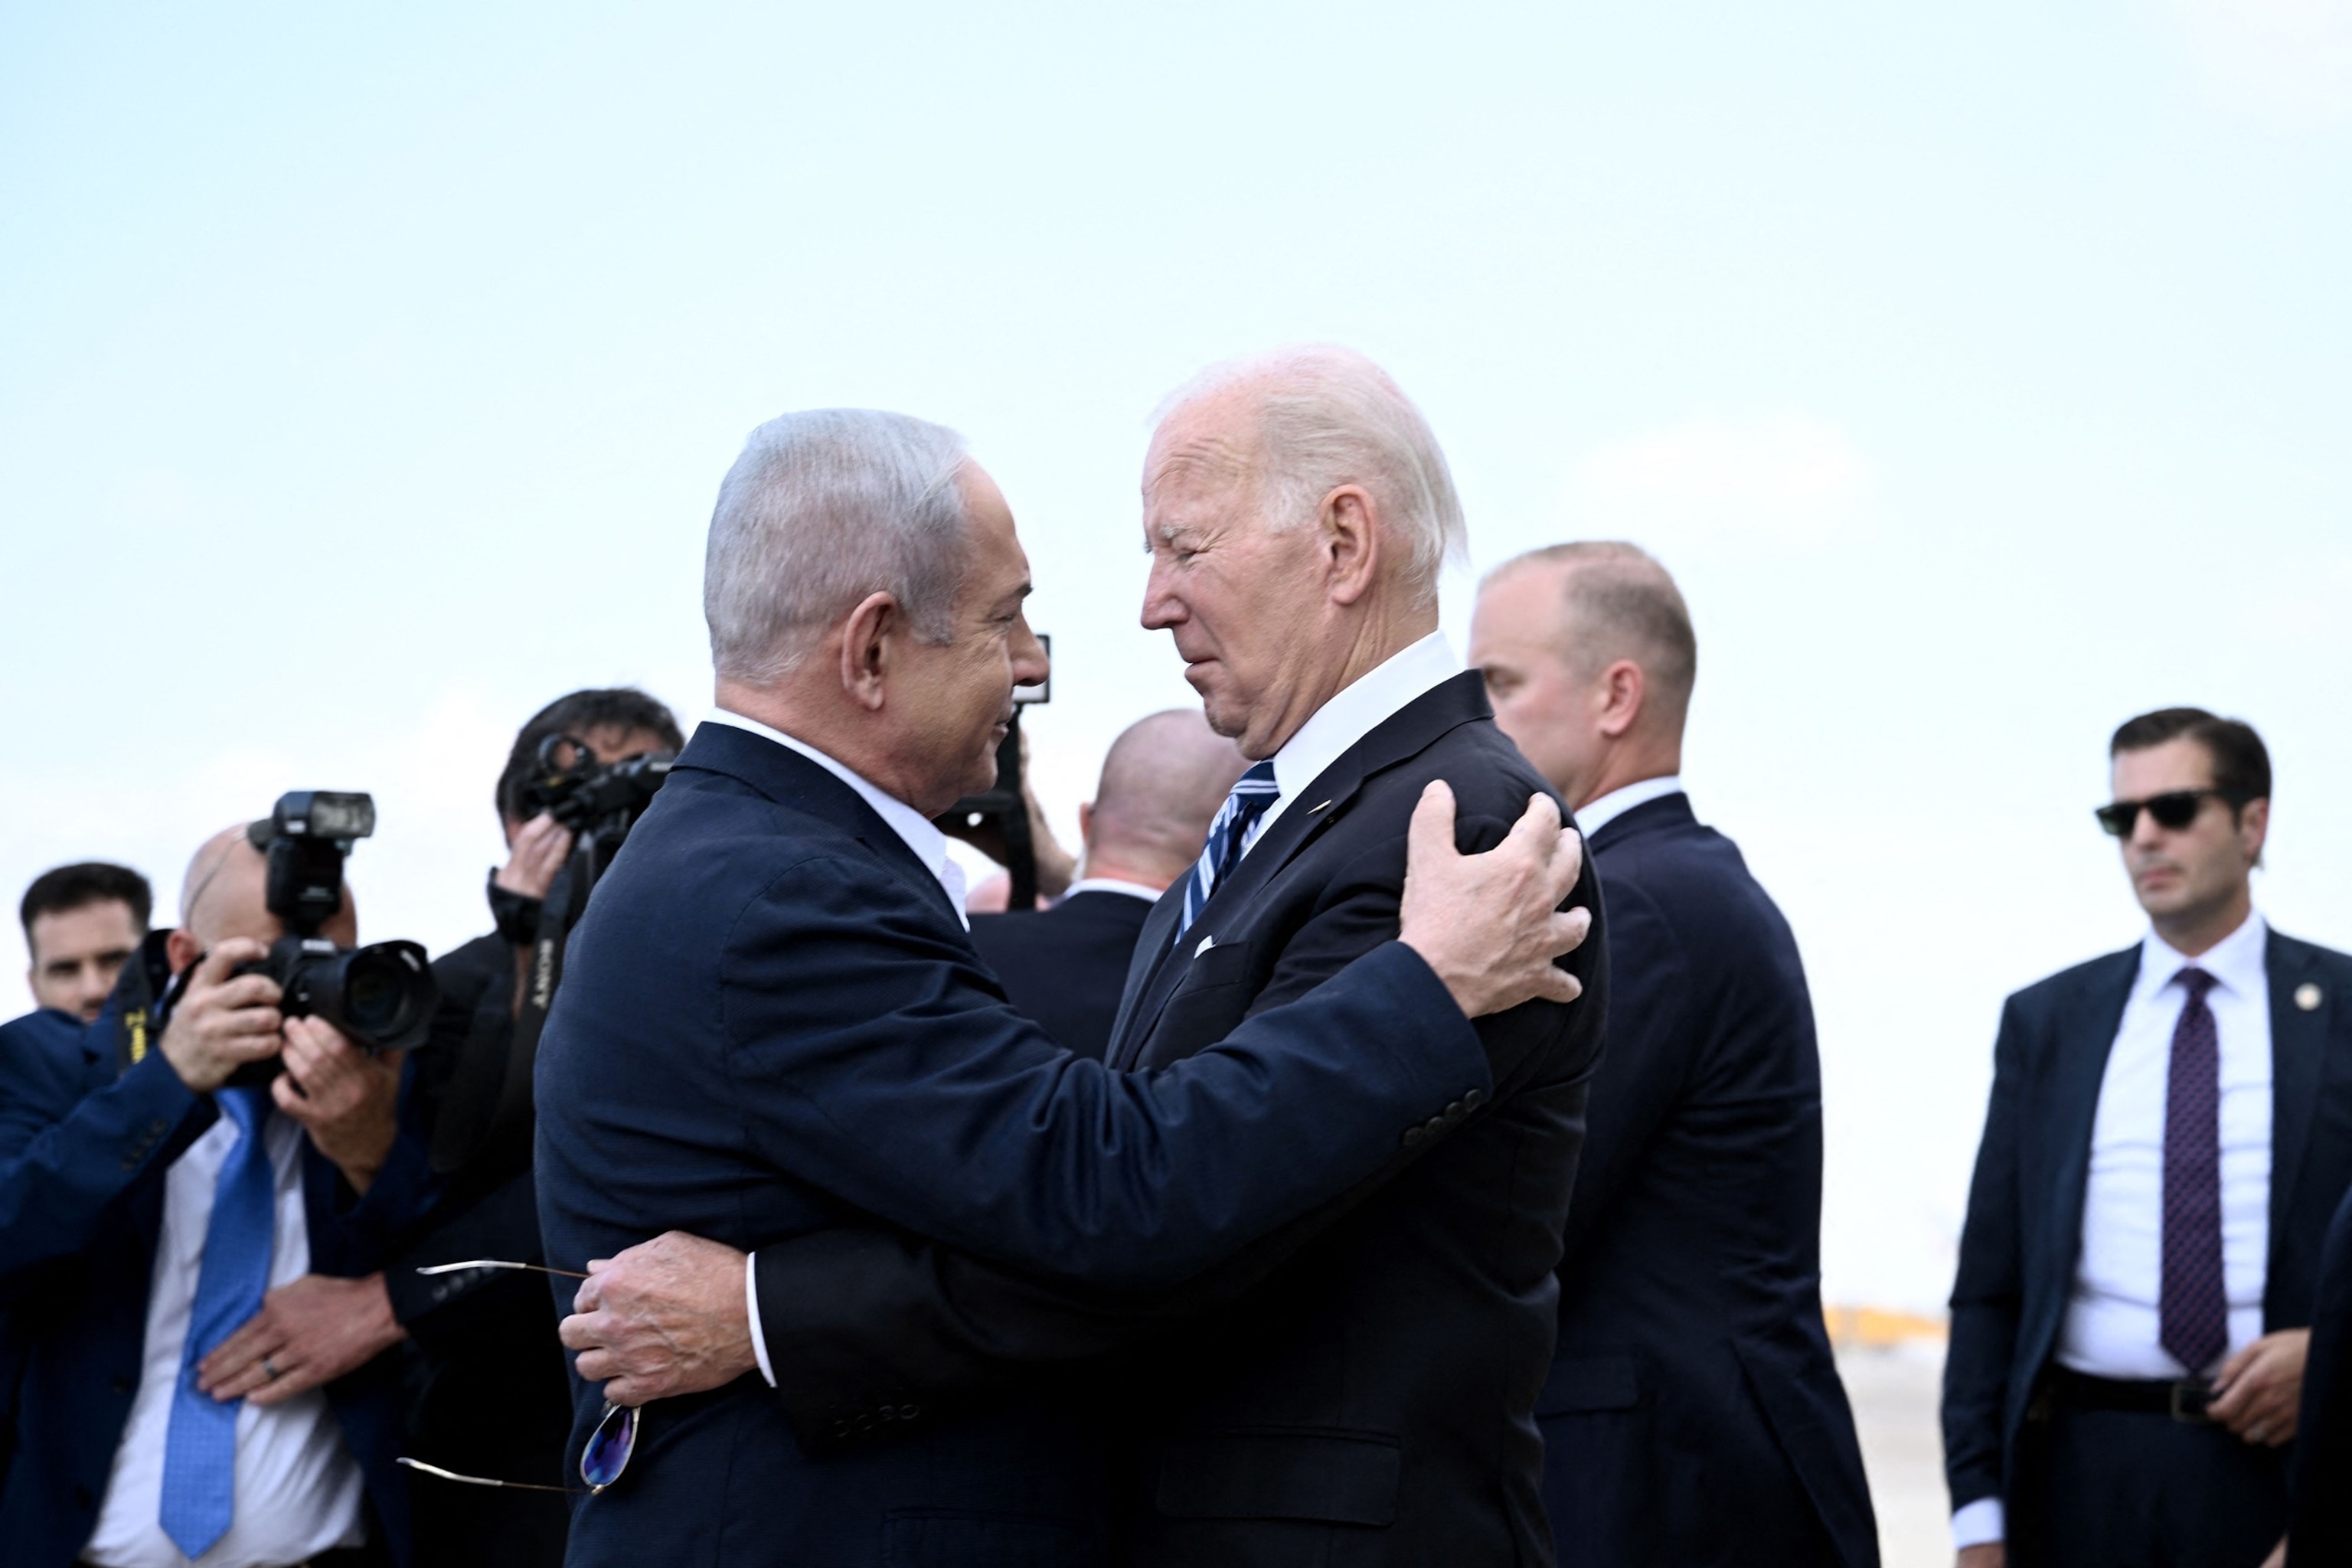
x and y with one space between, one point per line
1983 1522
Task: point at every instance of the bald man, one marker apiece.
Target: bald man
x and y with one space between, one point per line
1693 1414
1163 781
185 1263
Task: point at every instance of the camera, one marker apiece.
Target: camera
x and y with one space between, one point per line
383 996
997 818
599 802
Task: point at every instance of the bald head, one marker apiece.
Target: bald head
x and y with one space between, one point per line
226 894
1590 662
1163 781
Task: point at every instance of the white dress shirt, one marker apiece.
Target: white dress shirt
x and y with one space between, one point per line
1592 818
1111 885
930 846
1353 713
297 1487
2110 1328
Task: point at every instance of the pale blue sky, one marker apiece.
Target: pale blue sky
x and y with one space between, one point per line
365 381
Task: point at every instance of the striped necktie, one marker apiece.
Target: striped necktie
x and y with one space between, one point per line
1228 836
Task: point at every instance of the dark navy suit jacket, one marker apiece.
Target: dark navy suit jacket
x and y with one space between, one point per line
2320 1531
83 1152
1358 1387
2024 1227
1066 966
772 1024
1694 1415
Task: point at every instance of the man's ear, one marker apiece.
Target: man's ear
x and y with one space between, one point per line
1624 688
2254 829
180 949
1086 815
866 651
1350 538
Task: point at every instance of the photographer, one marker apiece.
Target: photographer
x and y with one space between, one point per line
487 1387
186 1256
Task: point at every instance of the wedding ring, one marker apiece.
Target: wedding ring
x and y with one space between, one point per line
269 1369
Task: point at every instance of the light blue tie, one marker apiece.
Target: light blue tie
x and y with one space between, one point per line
200 1445
1228 836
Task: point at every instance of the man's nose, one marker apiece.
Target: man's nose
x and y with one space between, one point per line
1031 664
1162 607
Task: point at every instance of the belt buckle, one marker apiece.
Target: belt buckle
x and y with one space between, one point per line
2190 1399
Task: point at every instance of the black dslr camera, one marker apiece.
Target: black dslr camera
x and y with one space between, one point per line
599 802
382 995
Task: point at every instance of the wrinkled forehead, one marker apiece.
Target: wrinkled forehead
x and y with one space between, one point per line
1204 447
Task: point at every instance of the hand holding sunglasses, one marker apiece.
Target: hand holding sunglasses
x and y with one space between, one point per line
609 1447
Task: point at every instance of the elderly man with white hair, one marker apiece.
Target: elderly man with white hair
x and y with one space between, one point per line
774 1038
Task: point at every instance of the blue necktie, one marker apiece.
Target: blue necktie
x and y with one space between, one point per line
2193 1310
200 1445
1249 800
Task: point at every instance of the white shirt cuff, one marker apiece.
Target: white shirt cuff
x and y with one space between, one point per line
1981 1523
751 1310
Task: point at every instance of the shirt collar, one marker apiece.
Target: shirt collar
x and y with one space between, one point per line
2237 963
1355 711
1590 819
1113 885
929 844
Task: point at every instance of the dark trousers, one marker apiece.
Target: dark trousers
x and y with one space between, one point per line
2104 1488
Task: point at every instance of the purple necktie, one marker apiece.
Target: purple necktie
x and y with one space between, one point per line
2193 1310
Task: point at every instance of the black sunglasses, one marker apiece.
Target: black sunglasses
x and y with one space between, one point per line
2175 809
609 1445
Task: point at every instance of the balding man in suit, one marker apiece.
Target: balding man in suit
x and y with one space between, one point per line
1694 1415
1162 781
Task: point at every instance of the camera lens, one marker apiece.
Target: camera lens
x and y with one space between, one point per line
373 990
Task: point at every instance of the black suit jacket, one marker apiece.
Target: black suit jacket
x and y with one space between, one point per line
1360 1387
2023 1233
2320 1530
1066 966
1694 1416
772 1024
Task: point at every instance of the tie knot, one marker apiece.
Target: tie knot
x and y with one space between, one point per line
2196 981
1258 781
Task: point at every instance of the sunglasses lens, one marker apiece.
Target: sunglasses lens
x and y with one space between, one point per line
2117 819
609 1447
2174 811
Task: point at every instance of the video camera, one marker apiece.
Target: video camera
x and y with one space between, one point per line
382 995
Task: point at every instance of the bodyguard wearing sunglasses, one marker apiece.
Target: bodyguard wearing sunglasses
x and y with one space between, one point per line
2169 1130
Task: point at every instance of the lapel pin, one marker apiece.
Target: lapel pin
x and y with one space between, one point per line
1209 941
2306 997
1314 810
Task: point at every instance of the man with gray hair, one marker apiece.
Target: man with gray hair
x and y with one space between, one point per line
1359 1385
774 1037
1693 1414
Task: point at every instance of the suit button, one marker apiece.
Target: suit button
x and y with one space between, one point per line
1414 1135
1475 1099
910 1412
1453 1110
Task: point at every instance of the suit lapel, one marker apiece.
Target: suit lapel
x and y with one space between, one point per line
2085 1039
2298 1048
1161 960
1151 947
